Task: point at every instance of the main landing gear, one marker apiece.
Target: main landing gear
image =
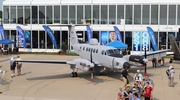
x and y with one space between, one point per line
74 74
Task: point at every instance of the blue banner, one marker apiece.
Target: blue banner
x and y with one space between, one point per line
89 33
2 32
118 34
21 37
51 35
104 37
153 38
136 41
145 41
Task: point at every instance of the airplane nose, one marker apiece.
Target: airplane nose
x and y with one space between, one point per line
126 65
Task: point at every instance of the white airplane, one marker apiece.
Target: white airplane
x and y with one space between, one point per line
94 57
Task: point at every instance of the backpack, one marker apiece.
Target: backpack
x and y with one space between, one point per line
168 72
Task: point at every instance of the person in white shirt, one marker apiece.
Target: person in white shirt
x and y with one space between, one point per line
172 72
19 66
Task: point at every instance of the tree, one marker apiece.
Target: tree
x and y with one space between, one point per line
0 14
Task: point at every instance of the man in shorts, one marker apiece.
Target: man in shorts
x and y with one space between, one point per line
125 78
12 67
19 66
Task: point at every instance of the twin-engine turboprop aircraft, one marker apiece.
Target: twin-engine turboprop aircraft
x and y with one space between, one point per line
94 57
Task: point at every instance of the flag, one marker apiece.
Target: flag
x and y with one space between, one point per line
118 34
21 37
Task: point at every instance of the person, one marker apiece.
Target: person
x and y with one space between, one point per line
147 92
112 37
127 93
171 77
120 96
138 75
151 83
19 66
12 67
162 59
125 78
1 51
135 97
138 88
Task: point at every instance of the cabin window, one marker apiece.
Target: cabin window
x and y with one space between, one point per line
80 47
96 50
86 49
83 48
89 49
117 63
104 53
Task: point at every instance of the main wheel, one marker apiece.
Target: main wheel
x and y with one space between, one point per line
72 74
75 74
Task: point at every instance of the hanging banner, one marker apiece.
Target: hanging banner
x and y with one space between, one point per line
89 33
118 34
21 37
136 40
51 35
2 32
145 41
153 38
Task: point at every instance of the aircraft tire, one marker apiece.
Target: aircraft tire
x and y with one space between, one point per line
75 74
72 74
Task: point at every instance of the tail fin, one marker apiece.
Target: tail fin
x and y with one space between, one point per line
73 35
118 34
174 46
89 33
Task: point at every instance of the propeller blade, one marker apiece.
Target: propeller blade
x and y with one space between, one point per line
91 56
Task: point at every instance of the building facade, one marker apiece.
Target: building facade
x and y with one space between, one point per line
162 16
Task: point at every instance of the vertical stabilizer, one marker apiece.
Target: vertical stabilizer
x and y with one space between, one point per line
73 35
174 47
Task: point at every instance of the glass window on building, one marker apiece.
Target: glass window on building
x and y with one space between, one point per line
35 14
128 39
112 14
145 15
88 14
79 14
163 15
96 14
178 17
72 12
128 14
64 14
65 38
137 14
49 14
49 41
27 14
172 15
20 14
96 35
6 14
13 14
34 39
120 13
56 14
42 39
104 14
42 14
7 34
57 36
154 14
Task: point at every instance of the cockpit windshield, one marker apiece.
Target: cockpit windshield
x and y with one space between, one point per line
112 51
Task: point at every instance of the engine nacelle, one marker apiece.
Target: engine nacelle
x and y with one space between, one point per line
83 64
136 58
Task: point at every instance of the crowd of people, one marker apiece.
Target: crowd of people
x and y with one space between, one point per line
140 90
142 87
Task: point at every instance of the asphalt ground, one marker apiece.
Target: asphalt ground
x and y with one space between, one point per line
53 81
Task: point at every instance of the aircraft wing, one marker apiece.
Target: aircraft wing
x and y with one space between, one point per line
155 54
44 61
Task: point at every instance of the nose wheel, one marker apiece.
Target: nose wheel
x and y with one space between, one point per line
74 74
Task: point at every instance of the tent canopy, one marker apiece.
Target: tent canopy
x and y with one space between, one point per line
117 44
6 42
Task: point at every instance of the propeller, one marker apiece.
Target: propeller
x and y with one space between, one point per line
92 76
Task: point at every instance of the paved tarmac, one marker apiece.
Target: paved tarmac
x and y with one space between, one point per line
53 82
